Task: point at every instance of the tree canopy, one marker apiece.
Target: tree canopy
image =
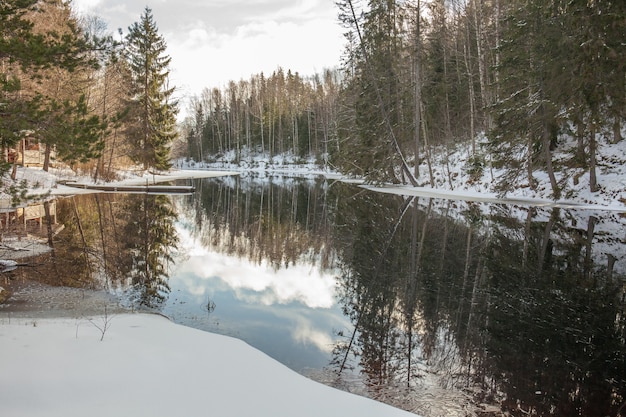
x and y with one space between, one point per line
87 99
47 62
422 78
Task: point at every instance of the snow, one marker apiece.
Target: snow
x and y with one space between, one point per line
52 183
453 181
148 366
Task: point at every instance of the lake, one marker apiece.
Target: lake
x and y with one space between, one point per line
437 306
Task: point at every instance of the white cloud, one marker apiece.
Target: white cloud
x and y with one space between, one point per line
214 42
255 283
305 333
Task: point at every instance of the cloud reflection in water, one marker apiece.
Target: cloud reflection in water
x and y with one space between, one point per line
284 312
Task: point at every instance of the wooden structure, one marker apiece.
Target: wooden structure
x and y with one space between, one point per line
28 152
149 189
32 213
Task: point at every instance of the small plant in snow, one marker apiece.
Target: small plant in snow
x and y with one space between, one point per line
103 324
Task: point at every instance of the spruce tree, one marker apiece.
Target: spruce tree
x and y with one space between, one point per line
153 109
532 87
376 126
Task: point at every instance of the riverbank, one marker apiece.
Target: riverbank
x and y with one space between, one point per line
53 183
450 175
141 364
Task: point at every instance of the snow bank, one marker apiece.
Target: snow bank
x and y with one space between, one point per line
149 366
42 184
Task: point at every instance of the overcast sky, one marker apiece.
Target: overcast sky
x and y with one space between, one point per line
214 41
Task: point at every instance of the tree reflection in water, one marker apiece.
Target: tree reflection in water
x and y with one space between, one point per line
507 306
117 240
521 314
517 310
151 240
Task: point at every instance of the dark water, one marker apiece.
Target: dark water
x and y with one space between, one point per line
440 307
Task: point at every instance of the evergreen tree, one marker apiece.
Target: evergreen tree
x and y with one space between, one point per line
46 62
532 86
74 132
153 109
377 125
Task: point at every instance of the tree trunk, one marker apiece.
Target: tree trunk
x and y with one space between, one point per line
427 151
482 65
527 226
529 162
46 160
546 242
617 130
593 182
82 235
591 225
418 89
102 239
472 100
46 207
580 136
546 143
468 259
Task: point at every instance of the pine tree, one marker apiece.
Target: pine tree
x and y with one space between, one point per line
153 109
46 60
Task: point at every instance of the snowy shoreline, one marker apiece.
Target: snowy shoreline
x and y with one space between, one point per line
147 365
451 178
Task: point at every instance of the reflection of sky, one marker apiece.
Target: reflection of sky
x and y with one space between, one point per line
289 313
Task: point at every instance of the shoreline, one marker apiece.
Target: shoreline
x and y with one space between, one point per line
144 364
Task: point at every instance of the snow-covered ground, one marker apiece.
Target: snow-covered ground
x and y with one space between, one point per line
453 179
146 365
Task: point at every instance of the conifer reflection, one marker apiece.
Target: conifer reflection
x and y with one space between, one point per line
281 222
118 240
523 313
151 240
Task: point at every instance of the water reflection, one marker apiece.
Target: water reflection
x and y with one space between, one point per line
436 306
512 307
258 251
151 240
107 240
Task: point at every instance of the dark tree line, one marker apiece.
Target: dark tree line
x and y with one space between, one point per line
524 72
421 78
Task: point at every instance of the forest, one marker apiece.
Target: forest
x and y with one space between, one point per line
512 81
92 101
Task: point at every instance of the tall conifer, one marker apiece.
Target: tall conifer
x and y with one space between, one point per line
153 109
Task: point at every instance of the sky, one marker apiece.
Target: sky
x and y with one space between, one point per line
214 41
